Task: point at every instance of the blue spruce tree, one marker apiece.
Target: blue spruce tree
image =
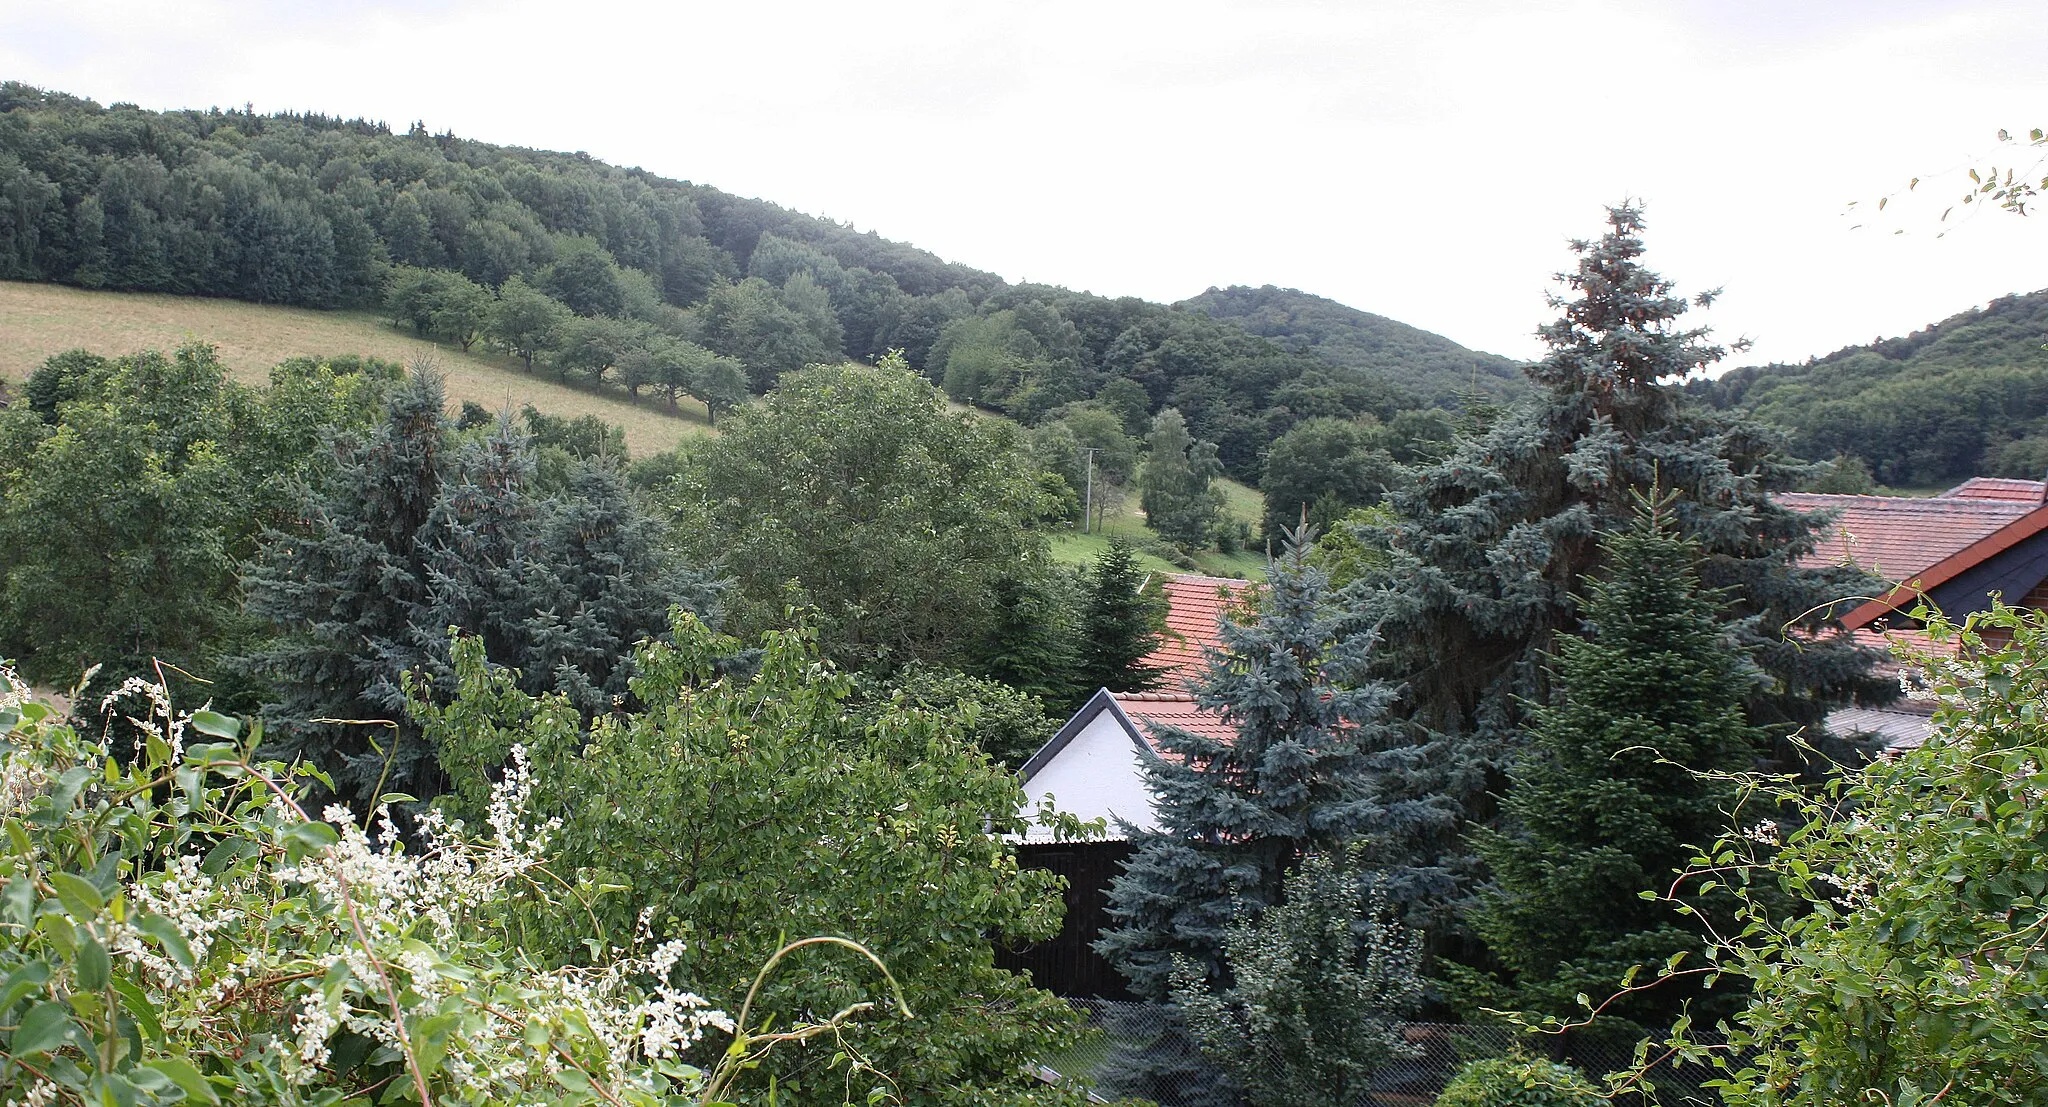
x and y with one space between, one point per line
1315 764
412 535
345 593
1488 547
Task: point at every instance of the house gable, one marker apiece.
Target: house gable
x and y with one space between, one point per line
2010 561
1092 769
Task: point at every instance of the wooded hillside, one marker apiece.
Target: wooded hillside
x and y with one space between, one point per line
1427 364
623 278
1967 396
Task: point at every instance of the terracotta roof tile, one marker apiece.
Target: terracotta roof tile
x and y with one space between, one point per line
1898 536
1998 488
1173 709
1193 606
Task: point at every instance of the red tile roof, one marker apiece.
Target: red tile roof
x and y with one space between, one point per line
1173 709
1193 606
1998 488
1898 537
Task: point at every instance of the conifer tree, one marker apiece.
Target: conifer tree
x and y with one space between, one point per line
1324 980
1315 764
345 595
404 543
1030 645
1612 793
1488 546
602 581
1120 624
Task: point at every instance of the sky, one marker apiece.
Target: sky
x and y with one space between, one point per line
1425 161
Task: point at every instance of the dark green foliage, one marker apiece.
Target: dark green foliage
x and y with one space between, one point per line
312 210
751 324
1030 643
526 322
1320 471
344 595
114 522
1429 365
1176 485
1964 397
1519 1082
411 535
1002 722
1487 549
1321 986
600 581
445 305
854 492
1316 764
584 278
1120 624
128 489
1611 793
731 811
1846 475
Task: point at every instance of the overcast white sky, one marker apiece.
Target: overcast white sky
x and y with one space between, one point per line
1426 161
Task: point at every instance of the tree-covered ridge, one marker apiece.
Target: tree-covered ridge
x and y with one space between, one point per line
1967 396
613 276
1431 366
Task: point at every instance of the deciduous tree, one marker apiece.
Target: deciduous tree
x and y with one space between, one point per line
854 492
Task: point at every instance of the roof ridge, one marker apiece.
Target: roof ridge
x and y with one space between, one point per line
1154 697
1202 578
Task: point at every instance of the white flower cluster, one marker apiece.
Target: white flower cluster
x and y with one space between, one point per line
24 776
411 905
189 899
158 722
13 690
276 952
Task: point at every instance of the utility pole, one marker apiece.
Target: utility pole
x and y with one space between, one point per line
1088 505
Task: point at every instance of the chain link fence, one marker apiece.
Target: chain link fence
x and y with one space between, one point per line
1174 1074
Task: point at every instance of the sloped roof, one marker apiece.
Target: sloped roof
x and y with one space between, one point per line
1998 488
1177 709
1194 603
1133 711
1898 537
1901 730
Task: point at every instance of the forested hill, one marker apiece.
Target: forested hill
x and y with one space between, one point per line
614 277
1427 364
1967 396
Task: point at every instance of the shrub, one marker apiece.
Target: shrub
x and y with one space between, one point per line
178 929
1914 969
1518 1082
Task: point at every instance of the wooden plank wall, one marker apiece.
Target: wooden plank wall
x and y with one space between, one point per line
1066 966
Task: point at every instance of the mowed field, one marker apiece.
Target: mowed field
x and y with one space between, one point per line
37 320
1240 501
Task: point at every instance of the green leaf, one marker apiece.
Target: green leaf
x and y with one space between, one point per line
166 934
188 1079
140 1008
43 1029
79 896
92 965
216 725
303 839
19 901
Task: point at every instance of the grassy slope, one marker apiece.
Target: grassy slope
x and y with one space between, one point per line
38 320
1240 501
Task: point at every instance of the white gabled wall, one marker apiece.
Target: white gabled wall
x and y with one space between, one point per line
1095 776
